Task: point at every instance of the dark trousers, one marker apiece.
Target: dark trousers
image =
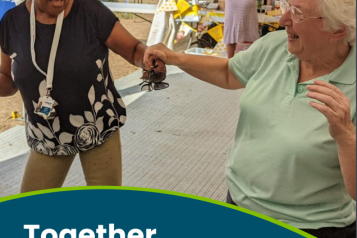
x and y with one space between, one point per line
326 232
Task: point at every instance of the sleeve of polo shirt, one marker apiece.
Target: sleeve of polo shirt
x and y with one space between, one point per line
245 63
101 18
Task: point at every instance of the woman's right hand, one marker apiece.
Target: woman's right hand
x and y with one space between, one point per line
160 51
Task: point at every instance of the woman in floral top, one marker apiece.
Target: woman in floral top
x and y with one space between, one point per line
89 110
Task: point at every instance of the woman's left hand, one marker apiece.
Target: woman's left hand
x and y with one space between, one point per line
336 108
161 67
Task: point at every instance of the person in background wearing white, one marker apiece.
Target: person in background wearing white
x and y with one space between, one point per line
240 23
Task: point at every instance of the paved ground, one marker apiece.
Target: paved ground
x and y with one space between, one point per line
176 139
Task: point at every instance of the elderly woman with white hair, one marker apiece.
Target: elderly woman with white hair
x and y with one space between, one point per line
294 154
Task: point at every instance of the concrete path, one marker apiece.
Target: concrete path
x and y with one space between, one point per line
176 139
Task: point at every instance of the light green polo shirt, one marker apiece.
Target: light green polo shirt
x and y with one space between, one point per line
284 163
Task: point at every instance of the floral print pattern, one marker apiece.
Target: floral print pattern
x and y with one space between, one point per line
87 136
90 127
89 108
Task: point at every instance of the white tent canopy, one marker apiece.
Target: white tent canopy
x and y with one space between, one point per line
164 29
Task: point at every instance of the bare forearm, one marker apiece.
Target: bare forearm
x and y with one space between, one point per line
139 55
121 42
7 86
347 157
212 70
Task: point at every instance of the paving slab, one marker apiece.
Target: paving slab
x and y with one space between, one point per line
175 139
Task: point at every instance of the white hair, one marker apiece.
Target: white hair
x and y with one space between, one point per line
339 14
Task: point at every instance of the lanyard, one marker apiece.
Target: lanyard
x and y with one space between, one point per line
51 63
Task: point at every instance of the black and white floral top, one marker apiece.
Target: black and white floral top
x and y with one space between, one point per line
89 107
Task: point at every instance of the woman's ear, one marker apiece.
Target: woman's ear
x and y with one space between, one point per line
338 35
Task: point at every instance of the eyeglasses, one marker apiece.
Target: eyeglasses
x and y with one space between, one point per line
153 80
296 14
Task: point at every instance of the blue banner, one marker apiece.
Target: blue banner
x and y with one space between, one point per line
113 212
5 6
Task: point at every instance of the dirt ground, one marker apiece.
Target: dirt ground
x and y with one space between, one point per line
137 27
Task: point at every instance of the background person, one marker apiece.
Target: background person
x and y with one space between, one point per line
240 23
89 108
294 154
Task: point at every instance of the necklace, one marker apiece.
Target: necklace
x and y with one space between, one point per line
53 21
47 21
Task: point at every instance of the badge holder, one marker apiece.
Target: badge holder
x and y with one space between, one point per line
45 107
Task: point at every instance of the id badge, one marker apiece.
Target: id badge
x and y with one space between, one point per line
45 107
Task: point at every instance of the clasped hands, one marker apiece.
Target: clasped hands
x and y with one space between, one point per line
154 73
